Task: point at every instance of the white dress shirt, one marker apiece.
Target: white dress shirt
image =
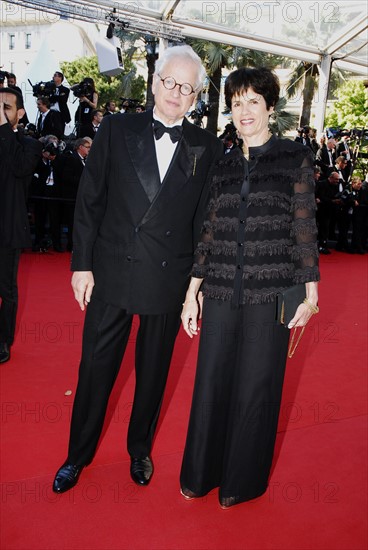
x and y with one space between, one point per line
165 148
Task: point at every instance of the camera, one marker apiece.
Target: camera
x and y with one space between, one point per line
43 89
202 109
51 148
129 103
82 89
3 75
54 148
345 195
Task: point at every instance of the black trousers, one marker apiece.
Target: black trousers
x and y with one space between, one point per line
9 262
106 333
236 400
51 209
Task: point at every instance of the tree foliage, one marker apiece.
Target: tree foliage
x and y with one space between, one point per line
215 57
126 84
351 108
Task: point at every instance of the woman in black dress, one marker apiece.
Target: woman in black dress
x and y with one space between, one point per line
259 238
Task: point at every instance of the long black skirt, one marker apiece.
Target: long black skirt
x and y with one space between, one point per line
236 401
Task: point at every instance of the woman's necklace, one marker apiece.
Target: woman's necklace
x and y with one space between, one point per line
245 147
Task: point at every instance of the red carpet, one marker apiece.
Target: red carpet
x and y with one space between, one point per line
317 494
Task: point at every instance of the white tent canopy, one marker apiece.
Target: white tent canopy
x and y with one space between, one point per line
326 33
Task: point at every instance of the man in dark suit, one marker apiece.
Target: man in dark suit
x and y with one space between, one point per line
325 157
59 99
18 157
49 122
343 148
90 129
71 168
138 215
46 192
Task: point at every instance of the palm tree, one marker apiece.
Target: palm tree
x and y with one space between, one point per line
135 45
304 77
218 56
282 120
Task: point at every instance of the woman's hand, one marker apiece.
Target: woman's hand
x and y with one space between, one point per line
308 308
192 308
190 316
301 317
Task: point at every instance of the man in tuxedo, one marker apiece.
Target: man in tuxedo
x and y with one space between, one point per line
59 99
139 211
325 157
90 129
343 148
110 108
328 202
18 158
71 169
49 122
46 191
339 167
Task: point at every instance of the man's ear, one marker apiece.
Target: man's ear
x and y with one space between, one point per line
20 114
154 84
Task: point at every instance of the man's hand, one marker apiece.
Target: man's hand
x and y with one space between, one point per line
82 284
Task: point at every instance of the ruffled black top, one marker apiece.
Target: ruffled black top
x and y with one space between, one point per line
252 246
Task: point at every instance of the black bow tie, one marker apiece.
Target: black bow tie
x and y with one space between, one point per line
159 129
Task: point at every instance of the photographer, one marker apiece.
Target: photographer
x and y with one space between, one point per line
201 110
88 99
46 192
49 122
359 216
18 157
303 136
327 200
59 98
129 105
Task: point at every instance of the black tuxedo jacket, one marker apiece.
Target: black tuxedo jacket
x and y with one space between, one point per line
323 160
87 130
53 125
19 156
39 187
70 172
135 234
62 99
341 150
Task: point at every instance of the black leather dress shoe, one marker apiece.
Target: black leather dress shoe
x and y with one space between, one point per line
4 352
324 250
66 477
141 470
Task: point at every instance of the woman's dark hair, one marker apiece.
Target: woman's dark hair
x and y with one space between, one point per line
90 81
262 80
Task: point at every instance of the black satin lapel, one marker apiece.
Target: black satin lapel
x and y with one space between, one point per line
182 167
142 151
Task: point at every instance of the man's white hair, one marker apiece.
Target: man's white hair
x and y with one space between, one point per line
182 52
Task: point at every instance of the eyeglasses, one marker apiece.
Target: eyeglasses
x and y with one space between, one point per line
170 83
